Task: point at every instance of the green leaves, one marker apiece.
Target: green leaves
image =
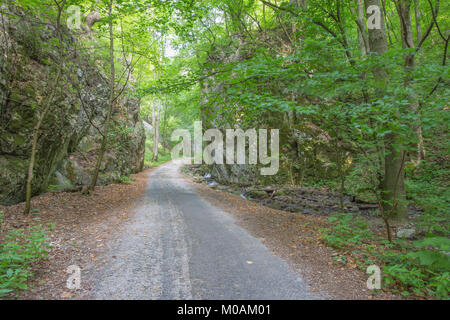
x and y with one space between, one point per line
441 243
347 230
21 248
433 259
436 257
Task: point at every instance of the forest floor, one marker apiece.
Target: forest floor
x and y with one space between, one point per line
83 227
93 232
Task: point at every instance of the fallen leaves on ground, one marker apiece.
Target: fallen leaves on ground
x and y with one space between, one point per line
83 226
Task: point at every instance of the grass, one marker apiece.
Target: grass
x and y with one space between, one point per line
163 156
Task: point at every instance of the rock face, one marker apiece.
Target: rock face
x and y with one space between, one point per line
214 115
67 142
306 148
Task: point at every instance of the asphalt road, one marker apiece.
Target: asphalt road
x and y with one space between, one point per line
178 246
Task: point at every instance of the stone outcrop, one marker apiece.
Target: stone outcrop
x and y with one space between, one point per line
68 142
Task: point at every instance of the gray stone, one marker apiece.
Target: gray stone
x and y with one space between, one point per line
66 129
406 233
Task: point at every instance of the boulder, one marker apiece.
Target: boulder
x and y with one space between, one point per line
406 233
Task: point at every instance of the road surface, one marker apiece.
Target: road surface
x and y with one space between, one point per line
178 246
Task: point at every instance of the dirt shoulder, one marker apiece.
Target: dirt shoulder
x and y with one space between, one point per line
296 239
83 228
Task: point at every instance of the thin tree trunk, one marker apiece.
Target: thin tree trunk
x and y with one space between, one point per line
404 11
418 15
33 159
48 104
111 101
362 34
156 114
341 169
154 126
164 130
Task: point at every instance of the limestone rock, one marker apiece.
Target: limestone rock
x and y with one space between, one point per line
406 233
67 142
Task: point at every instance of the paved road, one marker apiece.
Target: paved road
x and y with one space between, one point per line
179 246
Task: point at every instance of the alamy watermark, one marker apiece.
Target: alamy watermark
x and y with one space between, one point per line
374 280
74 20
74 280
230 148
373 17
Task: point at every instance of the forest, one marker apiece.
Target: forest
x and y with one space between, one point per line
92 91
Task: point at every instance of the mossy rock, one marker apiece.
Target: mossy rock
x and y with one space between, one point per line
257 194
12 179
64 129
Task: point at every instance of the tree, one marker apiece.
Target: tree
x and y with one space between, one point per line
46 105
112 99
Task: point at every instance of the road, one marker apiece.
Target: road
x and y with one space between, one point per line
178 246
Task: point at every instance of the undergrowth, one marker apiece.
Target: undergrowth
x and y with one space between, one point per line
419 268
19 249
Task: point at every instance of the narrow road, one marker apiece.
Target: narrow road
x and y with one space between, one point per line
179 246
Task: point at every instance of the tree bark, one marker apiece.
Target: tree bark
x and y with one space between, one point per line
156 115
111 101
157 112
164 129
418 15
47 106
404 11
362 33
392 185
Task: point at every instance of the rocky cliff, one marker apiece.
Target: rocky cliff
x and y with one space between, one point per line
68 139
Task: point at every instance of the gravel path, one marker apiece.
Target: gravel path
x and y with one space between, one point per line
178 246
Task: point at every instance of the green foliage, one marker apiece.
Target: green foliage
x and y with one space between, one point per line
126 179
428 188
18 251
347 229
54 187
418 270
162 158
433 253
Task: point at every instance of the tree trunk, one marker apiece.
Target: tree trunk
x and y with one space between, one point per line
418 15
156 115
362 34
404 11
32 160
52 92
157 112
164 129
392 185
111 101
